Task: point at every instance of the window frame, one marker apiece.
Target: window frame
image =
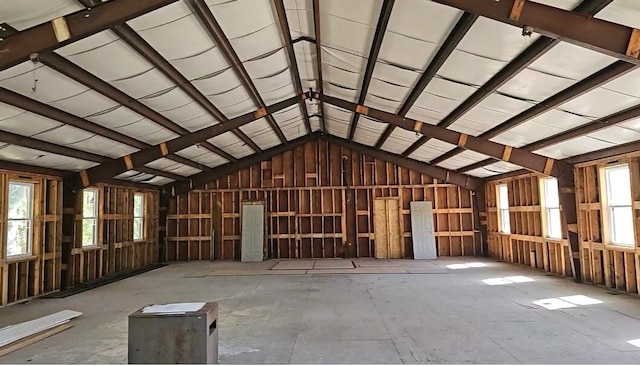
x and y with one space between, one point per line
607 209
30 219
545 209
95 218
500 210
142 217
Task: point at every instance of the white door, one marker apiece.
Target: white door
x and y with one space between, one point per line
424 241
252 232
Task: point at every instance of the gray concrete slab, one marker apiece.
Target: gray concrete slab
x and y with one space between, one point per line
292 317
333 264
294 264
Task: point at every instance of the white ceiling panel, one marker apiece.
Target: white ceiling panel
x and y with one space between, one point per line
218 84
261 133
291 122
535 85
340 91
409 52
496 40
147 131
337 121
187 112
577 146
545 125
505 104
28 156
300 17
622 12
350 79
481 173
616 135
24 14
198 122
502 167
144 84
171 99
627 84
368 131
50 86
395 75
159 181
240 107
202 64
202 156
267 66
384 104
399 140
388 90
431 150
231 144
562 4
457 68
28 124
436 20
85 104
343 60
479 120
106 56
8 111
116 117
102 146
463 159
64 135
600 102
570 61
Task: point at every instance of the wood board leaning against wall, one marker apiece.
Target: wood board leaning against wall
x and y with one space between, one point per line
604 261
320 200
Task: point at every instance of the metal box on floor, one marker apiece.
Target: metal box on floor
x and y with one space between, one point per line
183 333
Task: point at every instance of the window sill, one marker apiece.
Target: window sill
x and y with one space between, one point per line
91 247
20 258
558 240
628 248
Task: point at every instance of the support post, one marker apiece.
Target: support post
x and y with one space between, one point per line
480 219
69 204
570 218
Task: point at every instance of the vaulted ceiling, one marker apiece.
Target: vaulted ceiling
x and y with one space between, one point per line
162 91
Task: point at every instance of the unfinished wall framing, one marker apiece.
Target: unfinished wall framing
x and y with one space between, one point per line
319 199
525 244
116 250
38 272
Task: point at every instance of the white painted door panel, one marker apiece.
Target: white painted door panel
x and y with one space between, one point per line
424 241
252 232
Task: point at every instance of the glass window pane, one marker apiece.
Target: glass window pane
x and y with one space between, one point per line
137 229
20 200
554 223
18 237
138 205
504 220
618 186
551 196
503 193
89 198
89 236
622 224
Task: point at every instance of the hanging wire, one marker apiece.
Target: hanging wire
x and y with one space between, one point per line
34 57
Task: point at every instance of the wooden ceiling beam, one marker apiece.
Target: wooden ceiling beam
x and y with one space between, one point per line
70 28
75 72
41 145
525 159
198 180
444 175
217 34
136 42
140 158
612 39
36 107
376 44
590 83
448 46
541 46
293 63
318 43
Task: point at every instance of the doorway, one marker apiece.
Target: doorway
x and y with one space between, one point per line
388 239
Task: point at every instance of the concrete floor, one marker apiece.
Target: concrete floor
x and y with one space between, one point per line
443 315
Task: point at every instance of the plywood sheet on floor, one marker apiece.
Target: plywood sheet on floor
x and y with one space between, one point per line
294 265
333 264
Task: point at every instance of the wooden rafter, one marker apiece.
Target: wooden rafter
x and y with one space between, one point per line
381 28
217 34
130 162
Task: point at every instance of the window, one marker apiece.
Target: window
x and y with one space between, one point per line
20 218
551 208
503 209
618 201
138 216
89 217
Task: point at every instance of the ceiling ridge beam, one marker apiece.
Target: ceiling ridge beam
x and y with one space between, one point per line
376 44
514 155
217 34
318 43
198 180
583 86
81 24
295 73
616 40
20 101
41 145
445 175
82 76
458 32
541 46
135 41
139 158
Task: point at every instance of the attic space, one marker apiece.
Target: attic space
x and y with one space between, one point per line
366 181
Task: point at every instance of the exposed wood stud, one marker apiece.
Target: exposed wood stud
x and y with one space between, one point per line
506 155
516 10
61 29
417 127
633 49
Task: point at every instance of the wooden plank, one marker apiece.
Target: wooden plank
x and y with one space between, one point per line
16 332
34 338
